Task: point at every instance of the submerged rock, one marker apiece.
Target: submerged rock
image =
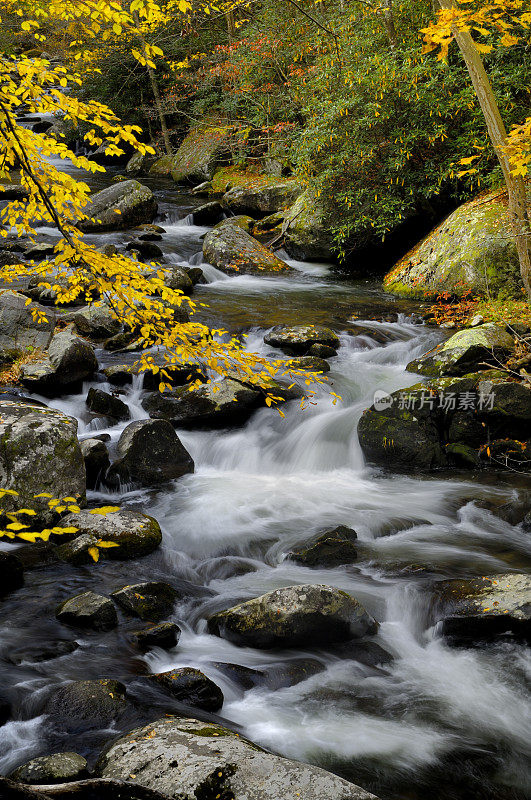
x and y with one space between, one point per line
87 704
135 534
299 338
165 635
293 616
478 609
186 758
88 610
150 601
120 206
191 687
150 453
229 248
331 549
57 768
261 201
469 350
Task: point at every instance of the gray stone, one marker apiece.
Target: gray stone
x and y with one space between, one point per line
230 249
135 534
120 206
87 704
208 214
466 351
95 322
191 687
164 635
147 250
150 453
18 330
97 462
57 768
152 600
299 338
77 551
178 279
70 360
39 452
293 616
88 610
308 234
331 549
185 758
261 201
310 363
100 402
204 148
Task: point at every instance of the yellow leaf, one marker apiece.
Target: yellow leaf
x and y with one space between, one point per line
94 553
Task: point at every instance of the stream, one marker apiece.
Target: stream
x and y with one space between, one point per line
435 721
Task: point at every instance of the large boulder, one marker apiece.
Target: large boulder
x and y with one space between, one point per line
231 404
70 361
87 704
293 616
478 609
120 206
150 453
107 405
39 452
330 549
135 534
299 338
165 635
97 462
466 351
152 600
57 768
191 687
19 330
472 250
230 249
204 148
88 610
260 201
308 234
187 758
95 322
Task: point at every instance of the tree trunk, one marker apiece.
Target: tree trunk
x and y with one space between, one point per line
389 22
516 189
155 90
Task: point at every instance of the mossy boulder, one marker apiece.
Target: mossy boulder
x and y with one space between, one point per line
188 758
261 201
468 350
135 534
191 687
85 705
88 610
164 635
57 768
95 322
299 338
106 405
230 249
152 600
205 147
70 361
330 549
120 206
39 452
472 250
19 331
292 616
308 234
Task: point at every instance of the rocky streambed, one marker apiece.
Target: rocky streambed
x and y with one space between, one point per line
294 607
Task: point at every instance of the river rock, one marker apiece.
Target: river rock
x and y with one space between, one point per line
57 768
107 405
191 687
88 610
39 452
310 363
177 374
13 191
478 609
331 549
165 635
64 130
204 148
96 458
150 453
299 338
183 758
230 249
77 551
261 201
308 234
70 361
87 704
242 221
319 350
95 322
466 351
179 280
147 250
470 252
18 330
135 534
11 573
232 404
293 616
120 206
208 214
150 601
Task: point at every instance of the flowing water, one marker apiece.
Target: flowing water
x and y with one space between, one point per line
432 722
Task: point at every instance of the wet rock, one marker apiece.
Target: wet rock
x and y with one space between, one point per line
165 635
150 453
87 704
126 341
196 275
64 131
18 329
292 672
96 458
311 363
150 601
322 350
11 573
135 534
230 249
107 405
204 148
77 551
88 610
208 214
120 206
299 338
94 322
331 549
245 677
13 191
38 252
483 608
191 687
39 452
242 221
147 250
466 351
189 758
308 234
202 189
57 768
70 361
232 404
260 201
177 374
179 280
292 616
368 653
